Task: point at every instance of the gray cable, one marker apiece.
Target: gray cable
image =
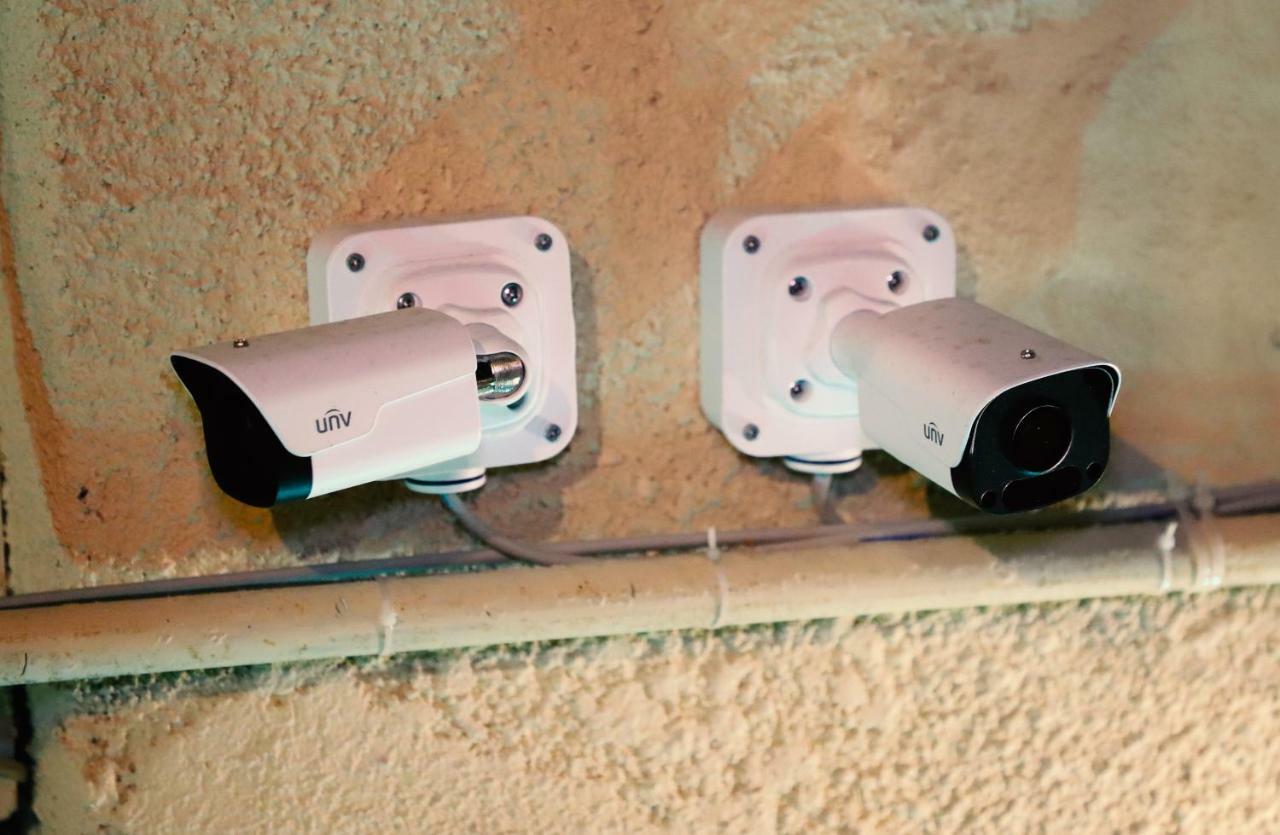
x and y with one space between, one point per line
824 499
523 551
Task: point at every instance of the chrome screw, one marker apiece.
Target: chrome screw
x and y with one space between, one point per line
240 343
895 280
553 433
931 233
751 244
751 431
1028 354
355 262
543 242
406 300
798 388
512 294
798 287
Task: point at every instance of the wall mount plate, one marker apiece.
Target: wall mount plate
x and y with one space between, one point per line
467 269
773 287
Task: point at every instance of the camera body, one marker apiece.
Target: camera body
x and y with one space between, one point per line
302 413
1004 416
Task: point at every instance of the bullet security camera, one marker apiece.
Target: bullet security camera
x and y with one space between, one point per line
302 413
1003 416
826 333
435 353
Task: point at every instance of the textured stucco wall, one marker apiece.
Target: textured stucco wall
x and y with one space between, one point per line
1109 168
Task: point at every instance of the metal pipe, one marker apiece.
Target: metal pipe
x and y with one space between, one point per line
611 597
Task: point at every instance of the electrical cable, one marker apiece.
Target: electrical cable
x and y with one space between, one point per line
515 549
1259 497
823 497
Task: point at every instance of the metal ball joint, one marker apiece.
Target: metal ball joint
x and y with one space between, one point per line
751 431
798 389
512 294
406 300
895 280
751 244
553 433
798 287
355 262
1028 353
543 242
931 233
240 342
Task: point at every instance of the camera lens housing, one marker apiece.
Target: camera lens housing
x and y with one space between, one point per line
1038 443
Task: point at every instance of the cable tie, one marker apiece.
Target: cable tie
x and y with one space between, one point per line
1166 542
387 618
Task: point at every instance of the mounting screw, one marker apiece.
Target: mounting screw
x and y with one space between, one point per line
798 287
798 389
931 233
751 244
1028 354
543 241
751 431
240 342
406 300
355 262
553 433
895 280
512 294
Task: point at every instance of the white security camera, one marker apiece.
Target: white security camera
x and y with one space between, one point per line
1001 415
827 333
436 352
302 413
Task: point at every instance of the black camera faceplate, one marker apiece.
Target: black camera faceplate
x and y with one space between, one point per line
247 459
987 476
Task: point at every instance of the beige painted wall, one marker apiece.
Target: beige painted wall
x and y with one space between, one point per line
1109 168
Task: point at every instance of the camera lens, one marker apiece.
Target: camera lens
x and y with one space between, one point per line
1040 438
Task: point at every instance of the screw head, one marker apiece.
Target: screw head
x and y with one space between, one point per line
512 294
751 244
553 433
798 287
543 242
931 233
240 342
751 431
894 281
1028 353
355 262
798 389
406 300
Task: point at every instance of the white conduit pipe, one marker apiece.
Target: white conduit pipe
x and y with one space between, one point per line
619 596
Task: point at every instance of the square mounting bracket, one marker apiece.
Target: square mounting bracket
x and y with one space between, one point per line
511 273
774 285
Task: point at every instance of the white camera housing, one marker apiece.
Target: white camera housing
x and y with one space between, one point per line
437 351
826 333
302 413
1000 414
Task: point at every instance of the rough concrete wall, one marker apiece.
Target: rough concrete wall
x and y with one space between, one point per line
1150 717
1108 167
